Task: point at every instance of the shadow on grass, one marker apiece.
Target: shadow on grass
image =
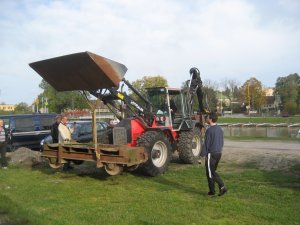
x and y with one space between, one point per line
89 169
166 184
86 169
173 185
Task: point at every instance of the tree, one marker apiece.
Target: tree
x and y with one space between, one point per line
231 89
210 100
288 88
22 108
232 92
253 94
147 82
58 101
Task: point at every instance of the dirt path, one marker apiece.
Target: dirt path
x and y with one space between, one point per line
267 154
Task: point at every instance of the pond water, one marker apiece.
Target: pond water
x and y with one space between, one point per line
261 131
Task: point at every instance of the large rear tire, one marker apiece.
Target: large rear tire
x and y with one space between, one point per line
158 148
190 146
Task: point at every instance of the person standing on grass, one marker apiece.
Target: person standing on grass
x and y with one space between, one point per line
3 144
212 151
64 136
54 129
64 132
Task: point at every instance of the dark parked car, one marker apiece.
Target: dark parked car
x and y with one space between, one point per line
83 132
28 130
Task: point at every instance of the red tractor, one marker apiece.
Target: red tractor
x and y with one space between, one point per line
161 122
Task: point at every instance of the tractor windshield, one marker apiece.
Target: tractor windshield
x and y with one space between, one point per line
176 103
158 98
167 102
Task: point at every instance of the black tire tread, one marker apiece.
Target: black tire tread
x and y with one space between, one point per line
185 146
147 140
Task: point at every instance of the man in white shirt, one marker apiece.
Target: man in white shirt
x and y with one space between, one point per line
64 131
64 136
3 144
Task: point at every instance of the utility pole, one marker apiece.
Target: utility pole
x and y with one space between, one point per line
250 97
46 104
249 107
221 103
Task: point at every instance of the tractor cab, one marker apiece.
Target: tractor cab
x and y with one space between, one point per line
167 106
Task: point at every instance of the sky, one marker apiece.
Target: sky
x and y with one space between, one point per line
224 39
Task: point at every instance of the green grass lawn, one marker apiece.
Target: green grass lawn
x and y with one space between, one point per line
273 120
43 196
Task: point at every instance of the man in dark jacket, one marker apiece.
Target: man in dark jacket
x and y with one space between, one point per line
3 144
212 151
54 129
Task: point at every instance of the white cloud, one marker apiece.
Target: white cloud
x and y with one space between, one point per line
225 39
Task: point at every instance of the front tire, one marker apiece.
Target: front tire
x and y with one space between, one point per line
158 148
190 145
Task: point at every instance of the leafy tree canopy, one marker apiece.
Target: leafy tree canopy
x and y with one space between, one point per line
231 89
147 82
22 108
288 88
253 93
58 101
210 99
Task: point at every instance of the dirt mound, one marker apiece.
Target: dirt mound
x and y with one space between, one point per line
24 156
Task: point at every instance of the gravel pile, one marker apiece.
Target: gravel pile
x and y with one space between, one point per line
25 156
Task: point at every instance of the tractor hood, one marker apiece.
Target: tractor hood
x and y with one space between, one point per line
80 71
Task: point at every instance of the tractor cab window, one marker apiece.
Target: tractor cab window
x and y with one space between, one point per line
175 103
176 106
158 98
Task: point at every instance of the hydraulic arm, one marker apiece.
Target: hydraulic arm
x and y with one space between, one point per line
121 103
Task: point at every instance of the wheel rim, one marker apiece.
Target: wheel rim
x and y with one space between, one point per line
113 169
197 143
159 154
53 164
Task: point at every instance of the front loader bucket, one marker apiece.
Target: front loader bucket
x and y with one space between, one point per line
80 71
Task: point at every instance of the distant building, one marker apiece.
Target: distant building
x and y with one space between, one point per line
7 107
102 113
272 102
269 91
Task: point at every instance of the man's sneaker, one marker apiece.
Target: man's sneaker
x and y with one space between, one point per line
210 194
223 190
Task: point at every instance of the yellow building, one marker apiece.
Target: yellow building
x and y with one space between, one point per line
269 91
7 107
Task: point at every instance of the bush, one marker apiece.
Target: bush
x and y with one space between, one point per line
291 107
